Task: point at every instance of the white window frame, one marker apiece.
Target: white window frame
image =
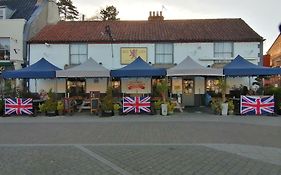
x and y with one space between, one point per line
79 54
164 54
222 51
6 50
3 11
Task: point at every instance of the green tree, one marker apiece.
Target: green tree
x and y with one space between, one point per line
67 10
109 13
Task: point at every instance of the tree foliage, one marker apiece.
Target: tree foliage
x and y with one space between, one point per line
67 10
109 13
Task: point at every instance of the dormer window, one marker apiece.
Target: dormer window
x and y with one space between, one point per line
5 12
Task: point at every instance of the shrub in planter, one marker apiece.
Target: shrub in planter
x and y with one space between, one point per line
171 107
60 107
116 108
107 103
157 106
230 107
216 105
50 105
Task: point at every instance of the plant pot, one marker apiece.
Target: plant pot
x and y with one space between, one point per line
164 109
224 109
51 113
170 112
106 113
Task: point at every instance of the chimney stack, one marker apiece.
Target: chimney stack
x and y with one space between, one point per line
156 16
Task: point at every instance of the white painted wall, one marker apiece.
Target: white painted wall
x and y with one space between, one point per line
13 29
203 53
57 54
197 51
247 50
103 53
58 85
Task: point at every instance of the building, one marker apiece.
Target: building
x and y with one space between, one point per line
274 52
162 43
273 55
20 20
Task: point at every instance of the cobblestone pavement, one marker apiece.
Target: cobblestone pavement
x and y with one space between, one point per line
182 144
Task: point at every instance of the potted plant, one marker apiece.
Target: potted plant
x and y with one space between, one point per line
60 107
49 107
107 103
171 107
216 105
162 87
223 86
116 108
157 106
230 107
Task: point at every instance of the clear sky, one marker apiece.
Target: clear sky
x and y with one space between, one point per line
264 16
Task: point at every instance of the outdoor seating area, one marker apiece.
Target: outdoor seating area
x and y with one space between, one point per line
143 89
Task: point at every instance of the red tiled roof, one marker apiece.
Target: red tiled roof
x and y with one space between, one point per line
198 30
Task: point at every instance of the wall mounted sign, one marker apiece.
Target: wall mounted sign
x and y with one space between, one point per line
129 54
136 85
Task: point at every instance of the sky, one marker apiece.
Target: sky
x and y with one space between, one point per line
263 16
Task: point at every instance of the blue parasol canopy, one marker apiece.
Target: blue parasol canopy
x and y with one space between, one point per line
40 69
138 68
242 67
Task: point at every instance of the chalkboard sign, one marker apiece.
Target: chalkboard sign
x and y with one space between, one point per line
94 105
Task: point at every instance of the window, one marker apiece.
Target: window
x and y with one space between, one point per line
223 50
78 53
4 49
2 13
164 53
212 85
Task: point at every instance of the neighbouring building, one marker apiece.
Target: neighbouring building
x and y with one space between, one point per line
274 52
162 43
273 55
20 20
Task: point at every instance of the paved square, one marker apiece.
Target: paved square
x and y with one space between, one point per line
183 144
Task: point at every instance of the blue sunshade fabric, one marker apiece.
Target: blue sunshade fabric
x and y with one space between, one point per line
138 68
241 67
38 70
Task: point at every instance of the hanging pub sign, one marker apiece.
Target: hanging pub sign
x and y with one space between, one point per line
18 106
136 85
177 85
129 54
256 105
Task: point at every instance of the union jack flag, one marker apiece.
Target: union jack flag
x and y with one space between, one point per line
136 104
256 105
18 106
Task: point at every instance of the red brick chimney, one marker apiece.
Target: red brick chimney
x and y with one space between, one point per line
155 16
